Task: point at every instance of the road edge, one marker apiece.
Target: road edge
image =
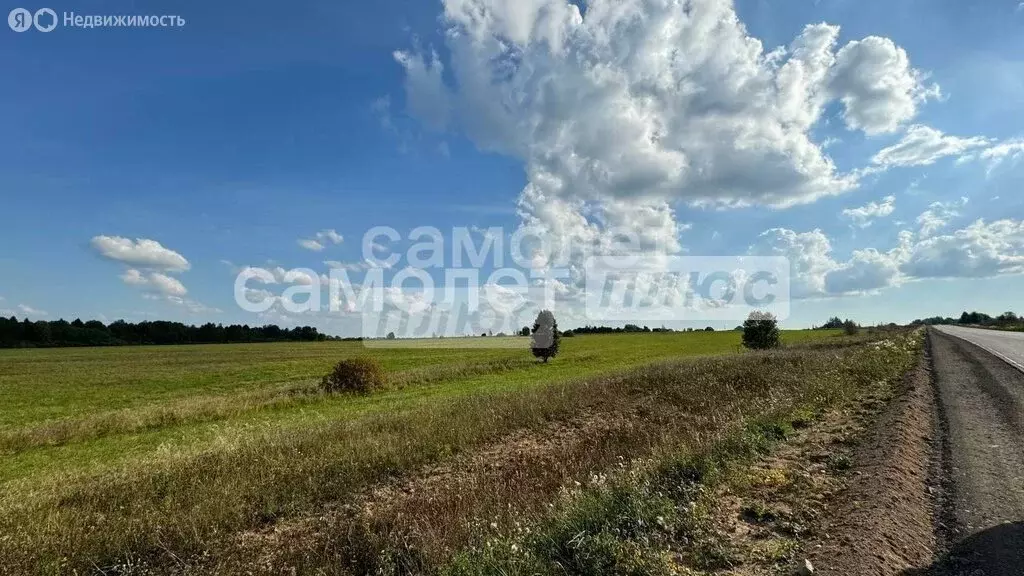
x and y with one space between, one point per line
998 355
885 521
941 471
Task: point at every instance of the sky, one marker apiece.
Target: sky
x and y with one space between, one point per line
877 145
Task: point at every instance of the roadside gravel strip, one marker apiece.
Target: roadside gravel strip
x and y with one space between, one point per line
981 399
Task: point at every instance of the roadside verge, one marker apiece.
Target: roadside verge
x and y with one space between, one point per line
884 521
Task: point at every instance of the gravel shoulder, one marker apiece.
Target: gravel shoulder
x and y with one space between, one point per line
938 485
1009 346
980 400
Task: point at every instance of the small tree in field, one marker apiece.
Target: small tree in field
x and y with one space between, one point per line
850 328
545 340
761 331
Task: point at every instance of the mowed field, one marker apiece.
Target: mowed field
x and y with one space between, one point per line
75 407
173 459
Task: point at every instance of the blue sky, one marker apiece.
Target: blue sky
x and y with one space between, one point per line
230 139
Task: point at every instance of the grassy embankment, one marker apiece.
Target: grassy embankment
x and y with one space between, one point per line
170 490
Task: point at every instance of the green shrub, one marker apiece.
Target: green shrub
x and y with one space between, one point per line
850 328
361 375
761 331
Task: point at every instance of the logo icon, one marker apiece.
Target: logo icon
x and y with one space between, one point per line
20 20
45 25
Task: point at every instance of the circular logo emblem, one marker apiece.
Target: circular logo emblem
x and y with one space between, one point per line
20 19
45 19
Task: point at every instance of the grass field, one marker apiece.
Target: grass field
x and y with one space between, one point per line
57 397
149 458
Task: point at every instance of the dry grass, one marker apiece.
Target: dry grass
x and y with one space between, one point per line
203 510
658 516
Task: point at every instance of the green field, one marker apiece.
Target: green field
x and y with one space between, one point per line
70 407
182 443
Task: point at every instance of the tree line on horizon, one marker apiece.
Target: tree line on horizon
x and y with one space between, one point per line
1005 320
61 333
629 329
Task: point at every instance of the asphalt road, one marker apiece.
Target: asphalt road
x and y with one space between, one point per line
981 398
1007 345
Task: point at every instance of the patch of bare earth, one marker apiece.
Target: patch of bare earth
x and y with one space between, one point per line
851 494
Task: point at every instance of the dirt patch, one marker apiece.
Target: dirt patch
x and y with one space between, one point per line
852 493
883 522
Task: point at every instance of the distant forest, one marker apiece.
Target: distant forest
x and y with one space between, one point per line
61 333
627 329
1005 320
58 333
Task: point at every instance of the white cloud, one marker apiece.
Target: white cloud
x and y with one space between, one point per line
1008 150
878 88
167 285
330 235
572 231
259 294
23 310
865 215
663 101
148 266
142 253
134 278
979 251
154 282
352 266
923 145
626 111
809 254
866 271
279 275
324 237
938 216
312 245
816 273
30 311
300 277
424 83
192 306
